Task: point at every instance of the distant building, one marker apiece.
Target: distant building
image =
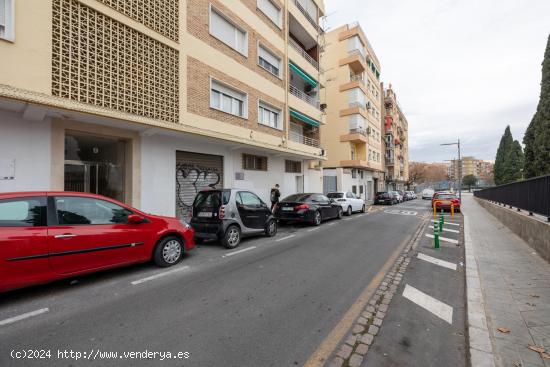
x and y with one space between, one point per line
396 129
471 166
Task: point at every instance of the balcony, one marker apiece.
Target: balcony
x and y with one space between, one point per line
306 14
390 161
302 139
296 92
355 136
303 53
356 61
355 163
357 78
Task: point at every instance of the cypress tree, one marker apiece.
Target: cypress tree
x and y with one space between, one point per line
502 158
537 136
514 167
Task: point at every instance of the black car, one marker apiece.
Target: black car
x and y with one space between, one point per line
312 208
385 198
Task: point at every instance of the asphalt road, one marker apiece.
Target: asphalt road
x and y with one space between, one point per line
270 302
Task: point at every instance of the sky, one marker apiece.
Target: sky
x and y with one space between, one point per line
461 69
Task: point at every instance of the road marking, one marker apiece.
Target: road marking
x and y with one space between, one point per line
313 229
330 343
332 223
11 320
400 212
159 275
446 222
437 261
239 251
450 240
448 230
435 306
285 238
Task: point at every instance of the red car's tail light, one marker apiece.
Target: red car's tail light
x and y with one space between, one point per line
222 212
301 207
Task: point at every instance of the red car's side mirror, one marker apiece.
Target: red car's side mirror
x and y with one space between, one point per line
135 219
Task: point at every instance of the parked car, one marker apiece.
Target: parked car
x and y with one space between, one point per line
397 196
427 194
348 201
228 215
445 201
409 195
311 207
403 195
46 236
385 198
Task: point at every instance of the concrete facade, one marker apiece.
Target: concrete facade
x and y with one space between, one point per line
396 129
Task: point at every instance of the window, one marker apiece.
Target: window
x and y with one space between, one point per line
356 97
227 32
6 20
353 173
23 212
254 162
248 199
354 189
268 61
269 116
72 210
271 11
293 166
362 174
228 100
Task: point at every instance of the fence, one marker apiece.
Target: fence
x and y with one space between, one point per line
532 195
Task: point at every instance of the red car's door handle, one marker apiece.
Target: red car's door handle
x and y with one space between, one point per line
66 235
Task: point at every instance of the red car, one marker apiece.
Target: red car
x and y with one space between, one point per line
445 201
45 236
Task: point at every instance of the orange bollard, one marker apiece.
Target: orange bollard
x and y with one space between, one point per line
452 210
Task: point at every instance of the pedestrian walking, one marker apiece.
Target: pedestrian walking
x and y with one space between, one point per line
274 197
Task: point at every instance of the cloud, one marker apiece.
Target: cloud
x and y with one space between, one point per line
461 68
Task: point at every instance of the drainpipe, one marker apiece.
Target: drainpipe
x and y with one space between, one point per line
287 75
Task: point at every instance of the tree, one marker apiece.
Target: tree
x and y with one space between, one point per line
514 169
469 180
537 136
502 158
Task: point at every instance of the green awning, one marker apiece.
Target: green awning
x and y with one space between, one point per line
303 74
304 118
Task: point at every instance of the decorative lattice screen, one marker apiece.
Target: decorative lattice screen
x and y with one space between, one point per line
159 15
100 61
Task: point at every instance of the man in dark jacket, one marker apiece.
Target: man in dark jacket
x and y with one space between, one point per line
274 196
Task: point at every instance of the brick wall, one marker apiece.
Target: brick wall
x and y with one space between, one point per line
197 25
198 98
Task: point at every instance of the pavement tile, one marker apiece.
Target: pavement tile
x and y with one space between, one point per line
344 351
336 362
367 339
362 349
373 329
355 360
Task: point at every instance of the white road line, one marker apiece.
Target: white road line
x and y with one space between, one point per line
451 223
285 238
11 320
435 306
332 223
313 229
239 251
437 261
445 239
159 275
448 230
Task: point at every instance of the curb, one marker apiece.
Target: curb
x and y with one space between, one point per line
481 350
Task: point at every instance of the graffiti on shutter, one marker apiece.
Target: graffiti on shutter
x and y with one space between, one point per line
190 179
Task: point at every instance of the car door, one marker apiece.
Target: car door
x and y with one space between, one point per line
328 210
252 210
91 233
350 196
357 203
23 241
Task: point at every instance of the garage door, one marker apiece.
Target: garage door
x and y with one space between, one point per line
329 184
194 172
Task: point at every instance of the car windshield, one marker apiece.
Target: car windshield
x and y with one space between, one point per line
445 197
297 198
210 200
335 195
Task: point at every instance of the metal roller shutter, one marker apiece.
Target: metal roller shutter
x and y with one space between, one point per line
194 172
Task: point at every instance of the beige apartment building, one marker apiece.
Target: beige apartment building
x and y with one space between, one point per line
472 166
352 134
396 129
149 101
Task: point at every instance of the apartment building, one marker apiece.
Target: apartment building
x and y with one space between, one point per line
396 142
472 166
352 134
149 101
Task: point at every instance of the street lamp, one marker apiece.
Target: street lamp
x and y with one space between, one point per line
459 169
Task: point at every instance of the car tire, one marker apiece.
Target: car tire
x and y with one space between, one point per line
317 218
363 208
349 211
340 213
232 236
271 228
168 251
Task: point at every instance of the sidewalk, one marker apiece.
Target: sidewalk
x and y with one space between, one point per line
509 288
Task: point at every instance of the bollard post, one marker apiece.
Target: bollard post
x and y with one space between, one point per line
441 221
452 211
436 237
435 211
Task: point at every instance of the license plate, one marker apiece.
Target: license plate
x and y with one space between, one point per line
204 214
445 202
287 209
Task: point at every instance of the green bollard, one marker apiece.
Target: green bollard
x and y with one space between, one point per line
436 238
441 221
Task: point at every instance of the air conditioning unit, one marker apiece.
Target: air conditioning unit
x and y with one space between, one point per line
369 130
369 105
309 88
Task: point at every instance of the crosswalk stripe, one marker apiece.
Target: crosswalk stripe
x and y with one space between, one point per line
446 222
450 240
436 261
433 305
448 230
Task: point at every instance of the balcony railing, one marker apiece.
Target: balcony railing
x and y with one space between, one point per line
357 78
356 104
303 96
299 138
306 14
358 53
358 131
304 53
390 160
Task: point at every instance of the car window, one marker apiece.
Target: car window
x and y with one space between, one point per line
446 196
297 198
73 210
249 199
350 195
207 200
23 212
335 195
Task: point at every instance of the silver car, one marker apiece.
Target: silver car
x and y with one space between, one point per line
228 215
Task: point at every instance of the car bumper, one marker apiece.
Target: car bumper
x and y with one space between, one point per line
293 216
